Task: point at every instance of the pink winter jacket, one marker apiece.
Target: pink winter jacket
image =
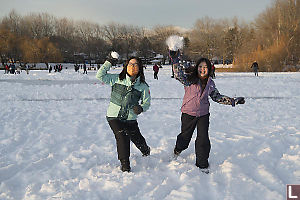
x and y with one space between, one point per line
195 102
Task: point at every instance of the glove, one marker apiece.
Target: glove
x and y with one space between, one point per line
137 109
189 70
113 58
237 100
174 55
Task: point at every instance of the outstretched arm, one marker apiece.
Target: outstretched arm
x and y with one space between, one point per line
222 99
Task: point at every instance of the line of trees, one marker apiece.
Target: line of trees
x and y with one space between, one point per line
44 38
272 39
275 41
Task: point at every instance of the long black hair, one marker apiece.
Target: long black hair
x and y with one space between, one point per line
193 71
123 73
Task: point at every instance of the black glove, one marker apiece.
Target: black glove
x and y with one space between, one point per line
239 100
189 70
174 55
137 109
113 58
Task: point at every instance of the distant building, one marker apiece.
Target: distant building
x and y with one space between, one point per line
157 59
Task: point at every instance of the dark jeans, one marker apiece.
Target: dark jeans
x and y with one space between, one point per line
155 75
124 132
202 143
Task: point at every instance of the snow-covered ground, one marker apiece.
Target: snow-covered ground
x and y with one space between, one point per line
55 142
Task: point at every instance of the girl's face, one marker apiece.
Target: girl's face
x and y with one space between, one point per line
202 70
133 67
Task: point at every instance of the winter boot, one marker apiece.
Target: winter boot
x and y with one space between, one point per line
146 152
125 165
176 153
203 166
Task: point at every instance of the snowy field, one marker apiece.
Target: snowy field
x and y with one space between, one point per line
55 142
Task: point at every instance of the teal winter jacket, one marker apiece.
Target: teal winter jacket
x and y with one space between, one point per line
125 94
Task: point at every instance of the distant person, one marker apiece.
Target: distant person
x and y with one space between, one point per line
156 70
27 69
12 68
18 71
76 68
6 69
84 69
254 67
60 67
50 69
213 69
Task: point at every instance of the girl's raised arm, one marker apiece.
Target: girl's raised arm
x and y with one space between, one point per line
105 77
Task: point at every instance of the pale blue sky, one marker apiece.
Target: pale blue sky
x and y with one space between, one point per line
145 13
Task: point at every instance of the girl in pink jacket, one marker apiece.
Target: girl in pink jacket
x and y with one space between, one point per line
198 85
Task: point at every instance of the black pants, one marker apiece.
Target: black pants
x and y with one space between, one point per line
202 143
155 75
124 132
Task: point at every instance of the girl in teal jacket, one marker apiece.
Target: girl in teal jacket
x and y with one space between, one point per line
130 96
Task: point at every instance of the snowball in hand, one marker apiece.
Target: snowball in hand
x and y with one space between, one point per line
174 42
114 55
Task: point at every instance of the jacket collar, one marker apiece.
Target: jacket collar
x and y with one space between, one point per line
208 81
128 79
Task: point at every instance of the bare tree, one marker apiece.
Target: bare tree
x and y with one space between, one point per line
12 22
4 44
91 39
123 38
145 48
41 25
207 38
277 37
158 37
